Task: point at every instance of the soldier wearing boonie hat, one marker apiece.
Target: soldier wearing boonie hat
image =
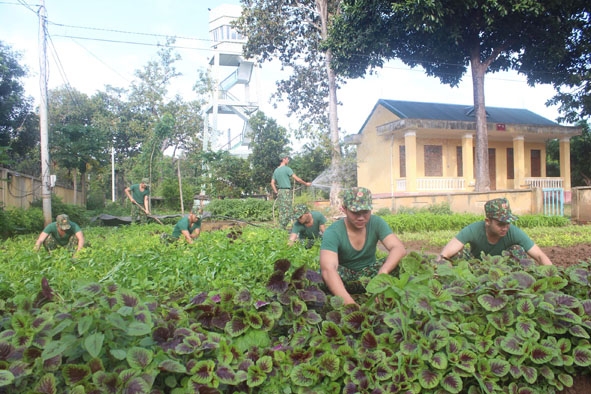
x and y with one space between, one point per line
348 250
308 225
281 185
493 236
188 226
139 195
63 232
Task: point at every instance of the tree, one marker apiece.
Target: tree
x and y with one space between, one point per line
294 31
447 38
269 140
564 62
76 144
19 130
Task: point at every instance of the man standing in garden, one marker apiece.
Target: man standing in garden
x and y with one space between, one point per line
308 225
62 232
492 236
281 184
139 195
348 249
189 227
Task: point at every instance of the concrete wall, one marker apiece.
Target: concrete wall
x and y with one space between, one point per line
19 191
581 204
522 202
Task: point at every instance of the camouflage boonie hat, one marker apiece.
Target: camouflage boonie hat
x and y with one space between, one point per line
146 181
299 210
499 209
196 211
63 222
357 199
283 155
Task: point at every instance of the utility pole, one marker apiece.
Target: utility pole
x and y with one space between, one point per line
43 116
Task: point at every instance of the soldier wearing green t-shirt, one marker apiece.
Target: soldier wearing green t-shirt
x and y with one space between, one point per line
281 184
139 195
492 236
62 232
189 227
348 249
308 225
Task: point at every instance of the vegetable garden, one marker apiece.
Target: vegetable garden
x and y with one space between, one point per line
240 312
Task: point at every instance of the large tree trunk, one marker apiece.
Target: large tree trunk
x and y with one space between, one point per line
333 119
482 169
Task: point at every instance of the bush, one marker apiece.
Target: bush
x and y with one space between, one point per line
21 221
75 212
244 209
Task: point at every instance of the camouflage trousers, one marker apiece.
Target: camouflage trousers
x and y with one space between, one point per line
138 214
284 207
51 244
348 275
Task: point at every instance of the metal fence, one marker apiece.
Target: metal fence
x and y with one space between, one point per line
553 201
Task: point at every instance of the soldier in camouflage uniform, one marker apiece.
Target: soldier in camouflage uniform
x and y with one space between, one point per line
348 249
139 195
493 236
281 184
62 232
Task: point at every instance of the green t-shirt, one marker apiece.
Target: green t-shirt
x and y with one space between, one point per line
475 235
282 176
183 224
336 240
309 232
51 229
139 195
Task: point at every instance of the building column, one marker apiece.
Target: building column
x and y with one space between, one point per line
518 162
468 159
564 153
410 143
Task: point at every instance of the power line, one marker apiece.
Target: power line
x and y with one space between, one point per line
132 42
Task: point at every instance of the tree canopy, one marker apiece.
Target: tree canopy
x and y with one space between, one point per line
447 39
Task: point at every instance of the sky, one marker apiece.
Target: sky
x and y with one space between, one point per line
97 43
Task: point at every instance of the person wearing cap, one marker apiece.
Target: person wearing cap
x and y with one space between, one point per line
139 195
492 236
62 232
188 226
308 225
348 249
281 184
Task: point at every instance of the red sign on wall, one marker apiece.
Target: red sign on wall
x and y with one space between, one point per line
500 126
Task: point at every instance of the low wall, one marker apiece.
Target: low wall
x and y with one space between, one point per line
19 191
525 201
581 204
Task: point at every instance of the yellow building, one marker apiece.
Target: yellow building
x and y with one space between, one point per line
414 147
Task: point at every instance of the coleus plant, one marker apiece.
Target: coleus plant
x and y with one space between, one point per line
491 326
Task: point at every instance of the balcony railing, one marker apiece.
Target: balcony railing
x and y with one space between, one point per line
434 184
535 182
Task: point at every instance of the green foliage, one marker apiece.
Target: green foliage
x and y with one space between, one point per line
169 190
253 209
20 221
422 221
75 212
248 314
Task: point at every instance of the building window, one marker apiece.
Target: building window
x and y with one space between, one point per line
510 164
433 160
460 161
536 162
402 163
